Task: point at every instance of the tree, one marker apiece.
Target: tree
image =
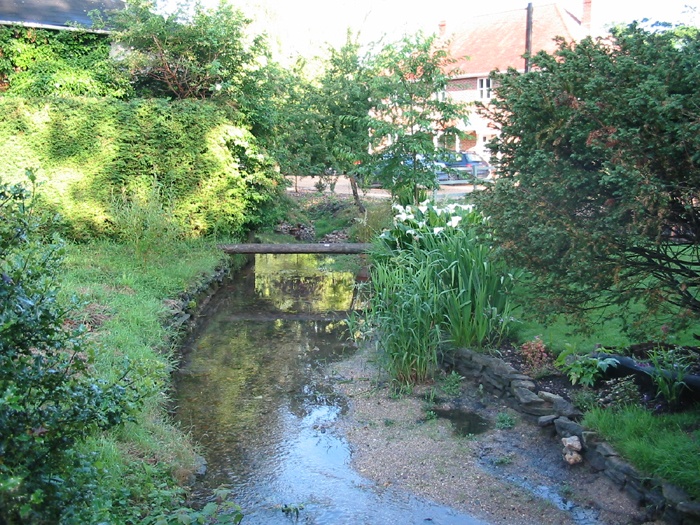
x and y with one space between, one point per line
409 80
346 102
599 171
205 54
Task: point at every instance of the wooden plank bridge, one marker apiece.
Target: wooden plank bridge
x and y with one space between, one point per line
344 247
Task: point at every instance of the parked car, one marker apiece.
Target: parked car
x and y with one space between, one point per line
465 165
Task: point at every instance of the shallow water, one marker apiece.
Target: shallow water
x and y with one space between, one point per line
252 396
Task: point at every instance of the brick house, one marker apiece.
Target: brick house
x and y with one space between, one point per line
498 41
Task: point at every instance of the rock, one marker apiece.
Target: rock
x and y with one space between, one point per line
545 421
548 396
674 495
604 449
526 397
689 508
566 409
572 443
589 437
572 457
519 383
566 427
200 466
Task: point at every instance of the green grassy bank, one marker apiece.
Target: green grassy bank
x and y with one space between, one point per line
128 305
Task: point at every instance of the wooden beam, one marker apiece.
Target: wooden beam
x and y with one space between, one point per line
297 248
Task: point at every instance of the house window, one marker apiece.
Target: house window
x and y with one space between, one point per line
484 88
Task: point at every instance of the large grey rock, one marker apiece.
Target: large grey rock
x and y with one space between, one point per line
527 397
567 428
545 421
567 409
690 508
522 384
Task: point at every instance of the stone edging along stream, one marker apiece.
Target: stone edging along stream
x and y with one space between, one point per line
661 499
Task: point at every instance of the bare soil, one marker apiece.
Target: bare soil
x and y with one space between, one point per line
504 475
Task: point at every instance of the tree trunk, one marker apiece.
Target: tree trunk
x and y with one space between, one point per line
356 193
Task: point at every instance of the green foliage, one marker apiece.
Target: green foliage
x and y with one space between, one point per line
44 63
606 177
212 171
505 421
583 369
217 512
665 446
403 309
407 115
472 282
144 222
202 54
669 368
50 399
451 384
429 279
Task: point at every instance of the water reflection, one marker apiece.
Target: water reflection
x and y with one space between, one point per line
251 395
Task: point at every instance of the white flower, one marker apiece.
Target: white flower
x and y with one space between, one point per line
437 230
422 209
454 221
421 224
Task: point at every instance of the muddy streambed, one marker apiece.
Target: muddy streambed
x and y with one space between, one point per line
291 418
251 394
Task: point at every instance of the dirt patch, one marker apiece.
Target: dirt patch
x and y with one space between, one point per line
507 475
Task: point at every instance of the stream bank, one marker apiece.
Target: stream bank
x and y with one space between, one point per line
503 475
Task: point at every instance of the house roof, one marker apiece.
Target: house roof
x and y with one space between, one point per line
53 14
497 41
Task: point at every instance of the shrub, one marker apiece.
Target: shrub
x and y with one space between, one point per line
537 357
49 399
90 150
583 369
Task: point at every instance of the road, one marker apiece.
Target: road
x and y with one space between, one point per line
307 184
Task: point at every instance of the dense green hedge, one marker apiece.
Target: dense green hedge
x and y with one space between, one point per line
92 153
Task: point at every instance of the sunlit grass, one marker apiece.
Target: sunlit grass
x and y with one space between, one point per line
127 307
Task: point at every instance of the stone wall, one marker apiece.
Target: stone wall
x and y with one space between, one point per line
661 499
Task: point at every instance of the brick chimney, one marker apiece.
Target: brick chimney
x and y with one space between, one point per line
442 27
587 16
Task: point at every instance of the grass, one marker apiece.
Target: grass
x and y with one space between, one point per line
606 328
665 447
505 421
125 296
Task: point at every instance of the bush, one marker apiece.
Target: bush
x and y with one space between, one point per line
46 63
93 149
596 192
49 399
472 282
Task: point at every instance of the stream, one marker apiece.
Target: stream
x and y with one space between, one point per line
251 394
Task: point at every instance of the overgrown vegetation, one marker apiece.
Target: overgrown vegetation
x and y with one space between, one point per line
98 154
51 399
607 179
435 280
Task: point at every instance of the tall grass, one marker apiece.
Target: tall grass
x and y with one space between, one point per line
404 309
432 275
